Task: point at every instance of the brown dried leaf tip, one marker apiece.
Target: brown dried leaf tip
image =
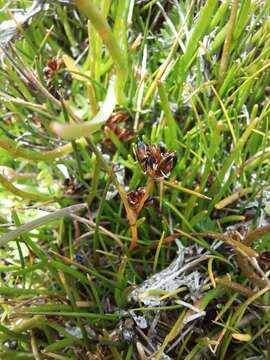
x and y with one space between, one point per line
135 198
114 124
154 161
264 260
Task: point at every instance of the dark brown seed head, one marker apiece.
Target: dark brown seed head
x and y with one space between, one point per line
155 152
154 161
71 186
135 197
141 151
167 163
115 124
54 64
117 117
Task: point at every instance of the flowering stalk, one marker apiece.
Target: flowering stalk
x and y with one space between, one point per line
155 163
137 211
130 213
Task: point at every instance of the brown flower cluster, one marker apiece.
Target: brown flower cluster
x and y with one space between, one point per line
154 161
54 64
115 124
157 164
136 197
72 187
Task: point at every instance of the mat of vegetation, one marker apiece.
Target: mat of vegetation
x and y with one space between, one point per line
134 179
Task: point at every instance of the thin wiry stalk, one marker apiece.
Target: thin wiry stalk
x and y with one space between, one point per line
225 58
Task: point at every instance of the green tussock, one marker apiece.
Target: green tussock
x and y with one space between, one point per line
81 82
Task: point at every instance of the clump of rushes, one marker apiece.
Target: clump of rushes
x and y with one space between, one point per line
155 163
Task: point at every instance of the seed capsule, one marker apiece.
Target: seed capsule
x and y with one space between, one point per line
155 162
135 197
116 124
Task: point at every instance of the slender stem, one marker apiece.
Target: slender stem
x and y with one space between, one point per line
58 214
89 9
18 151
17 223
134 230
99 213
77 158
161 193
130 213
227 44
34 347
146 195
23 194
176 186
225 112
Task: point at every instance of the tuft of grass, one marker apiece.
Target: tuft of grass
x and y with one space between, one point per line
192 77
